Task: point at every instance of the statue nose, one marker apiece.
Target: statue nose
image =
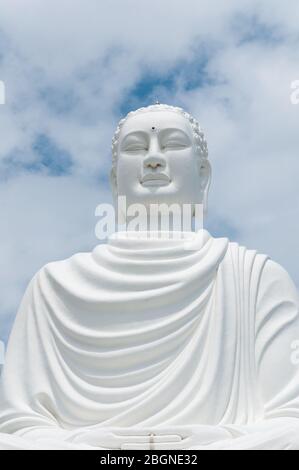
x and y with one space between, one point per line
154 162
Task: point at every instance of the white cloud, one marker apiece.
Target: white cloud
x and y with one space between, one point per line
69 65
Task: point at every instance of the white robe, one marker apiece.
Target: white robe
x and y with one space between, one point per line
144 332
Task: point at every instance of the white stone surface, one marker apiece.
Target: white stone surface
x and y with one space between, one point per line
144 344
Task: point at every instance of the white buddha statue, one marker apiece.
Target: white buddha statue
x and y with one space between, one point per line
143 343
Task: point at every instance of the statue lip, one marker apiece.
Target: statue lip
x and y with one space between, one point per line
155 179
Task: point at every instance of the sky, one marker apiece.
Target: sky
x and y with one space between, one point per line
73 68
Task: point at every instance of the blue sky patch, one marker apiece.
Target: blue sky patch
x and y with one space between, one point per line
250 29
185 76
50 156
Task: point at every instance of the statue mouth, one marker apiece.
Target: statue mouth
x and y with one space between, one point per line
155 179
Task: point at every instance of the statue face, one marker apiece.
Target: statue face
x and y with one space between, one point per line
157 162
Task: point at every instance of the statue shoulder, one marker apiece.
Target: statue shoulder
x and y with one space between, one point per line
269 277
64 267
276 280
246 257
238 248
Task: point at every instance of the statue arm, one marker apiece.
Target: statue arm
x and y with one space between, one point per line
277 367
26 402
277 332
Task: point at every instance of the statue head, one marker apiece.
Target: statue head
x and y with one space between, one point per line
160 155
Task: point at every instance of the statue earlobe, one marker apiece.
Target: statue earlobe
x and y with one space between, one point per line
205 181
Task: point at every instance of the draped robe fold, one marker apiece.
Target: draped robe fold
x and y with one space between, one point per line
146 332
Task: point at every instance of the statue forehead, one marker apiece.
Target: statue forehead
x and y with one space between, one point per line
160 119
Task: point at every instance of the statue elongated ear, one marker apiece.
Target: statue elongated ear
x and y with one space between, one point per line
205 175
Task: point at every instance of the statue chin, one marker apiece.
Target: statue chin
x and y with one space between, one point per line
150 341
